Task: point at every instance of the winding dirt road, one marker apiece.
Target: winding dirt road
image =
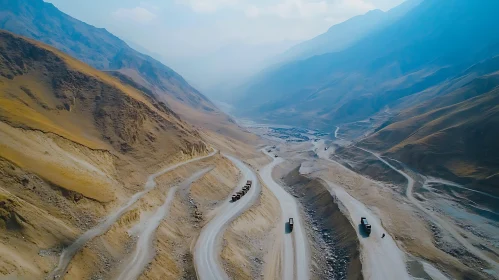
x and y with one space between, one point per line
296 255
208 245
144 249
381 257
336 132
392 264
451 229
430 180
69 252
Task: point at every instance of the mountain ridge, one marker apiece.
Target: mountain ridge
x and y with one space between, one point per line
106 52
344 34
95 46
48 96
353 84
452 141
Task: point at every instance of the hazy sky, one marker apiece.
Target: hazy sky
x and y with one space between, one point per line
216 43
177 28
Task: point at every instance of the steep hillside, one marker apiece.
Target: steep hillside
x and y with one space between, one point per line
99 48
48 97
75 143
452 136
345 34
393 63
476 80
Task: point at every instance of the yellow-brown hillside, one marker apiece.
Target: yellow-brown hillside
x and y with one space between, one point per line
48 98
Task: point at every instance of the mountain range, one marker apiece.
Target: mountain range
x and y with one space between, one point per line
343 35
431 73
97 47
109 163
452 135
433 42
84 122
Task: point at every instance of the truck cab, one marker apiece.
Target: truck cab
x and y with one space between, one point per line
365 225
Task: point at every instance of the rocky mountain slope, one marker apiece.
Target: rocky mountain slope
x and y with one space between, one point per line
380 70
96 47
452 135
74 142
56 98
99 48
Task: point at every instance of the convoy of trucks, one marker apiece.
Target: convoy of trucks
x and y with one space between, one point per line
241 193
366 227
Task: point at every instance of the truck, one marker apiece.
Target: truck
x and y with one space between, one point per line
291 223
365 225
236 197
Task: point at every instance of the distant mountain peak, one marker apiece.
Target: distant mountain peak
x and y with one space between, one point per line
342 35
375 11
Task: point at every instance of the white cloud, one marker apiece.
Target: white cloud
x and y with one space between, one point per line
284 9
309 9
208 6
150 5
138 14
353 6
252 12
289 9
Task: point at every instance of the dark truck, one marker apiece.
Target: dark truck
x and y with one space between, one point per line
365 225
236 197
291 222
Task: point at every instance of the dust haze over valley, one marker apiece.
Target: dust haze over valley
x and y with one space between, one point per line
281 139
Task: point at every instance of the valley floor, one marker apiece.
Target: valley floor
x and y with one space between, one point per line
180 223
